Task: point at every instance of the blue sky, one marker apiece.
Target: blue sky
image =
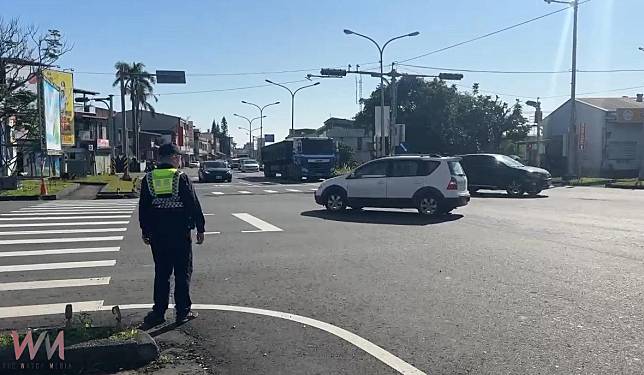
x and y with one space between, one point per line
206 37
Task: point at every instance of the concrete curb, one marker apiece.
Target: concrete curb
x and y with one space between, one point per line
99 354
613 186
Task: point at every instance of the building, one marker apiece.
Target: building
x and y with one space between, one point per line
345 132
92 151
609 134
157 129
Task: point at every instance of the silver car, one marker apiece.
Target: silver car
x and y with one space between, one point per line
249 165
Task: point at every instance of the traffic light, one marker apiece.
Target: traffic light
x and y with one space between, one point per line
333 72
450 76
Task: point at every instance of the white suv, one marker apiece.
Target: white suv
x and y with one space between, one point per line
433 185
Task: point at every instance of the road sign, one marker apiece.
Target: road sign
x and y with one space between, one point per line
171 76
269 137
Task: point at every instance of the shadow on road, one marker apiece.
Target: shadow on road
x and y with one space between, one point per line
505 196
381 217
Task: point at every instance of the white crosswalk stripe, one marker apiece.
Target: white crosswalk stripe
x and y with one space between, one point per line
217 193
62 236
294 190
244 192
271 191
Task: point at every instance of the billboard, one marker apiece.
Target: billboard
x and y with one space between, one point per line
51 101
269 137
63 81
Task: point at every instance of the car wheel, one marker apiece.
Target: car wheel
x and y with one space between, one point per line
473 191
335 201
429 204
515 189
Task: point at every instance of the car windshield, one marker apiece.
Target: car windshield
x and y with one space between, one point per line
215 164
249 161
508 161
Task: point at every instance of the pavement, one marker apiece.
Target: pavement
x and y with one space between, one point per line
546 285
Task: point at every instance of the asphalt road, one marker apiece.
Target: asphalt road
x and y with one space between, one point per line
550 285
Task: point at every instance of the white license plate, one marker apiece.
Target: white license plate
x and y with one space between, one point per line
217 177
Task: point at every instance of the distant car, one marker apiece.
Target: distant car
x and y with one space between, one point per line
500 172
215 170
249 165
235 163
193 164
432 185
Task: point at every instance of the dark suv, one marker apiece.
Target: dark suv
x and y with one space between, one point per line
500 172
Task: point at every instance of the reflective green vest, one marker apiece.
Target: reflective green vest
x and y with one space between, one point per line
164 181
164 188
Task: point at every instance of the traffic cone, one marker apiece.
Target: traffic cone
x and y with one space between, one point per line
43 187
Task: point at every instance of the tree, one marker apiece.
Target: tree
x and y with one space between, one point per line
224 126
24 51
139 85
215 128
224 141
345 155
440 119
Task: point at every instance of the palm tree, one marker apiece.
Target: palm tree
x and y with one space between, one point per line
139 85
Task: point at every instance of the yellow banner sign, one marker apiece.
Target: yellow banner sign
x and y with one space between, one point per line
64 82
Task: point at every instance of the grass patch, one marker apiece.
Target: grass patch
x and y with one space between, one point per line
626 182
113 182
28 188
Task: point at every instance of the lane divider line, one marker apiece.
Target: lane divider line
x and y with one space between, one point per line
57 266
80 250
60 240
47 284
257 223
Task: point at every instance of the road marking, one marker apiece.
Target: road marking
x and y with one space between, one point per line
314 189
48 309
62 231
57 209
80 250
217 193
57 266
19 213
60 240
246 183
88 204
64 218
244 192
46 284
211 232
208 214
294 190
62 224
271 191
370 348
257 223
69 208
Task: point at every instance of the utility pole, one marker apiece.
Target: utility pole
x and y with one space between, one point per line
538 117
573 149
124 132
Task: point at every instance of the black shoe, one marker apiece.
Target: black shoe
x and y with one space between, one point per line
153 319
183 318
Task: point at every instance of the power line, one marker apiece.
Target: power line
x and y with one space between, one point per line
488 34
224 74
222 90
524 71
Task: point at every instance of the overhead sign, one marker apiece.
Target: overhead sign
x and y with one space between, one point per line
269 137
63 81
171 76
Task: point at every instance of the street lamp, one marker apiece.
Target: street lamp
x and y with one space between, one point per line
292 98
261 122
572 131
538 116
250 126
382 86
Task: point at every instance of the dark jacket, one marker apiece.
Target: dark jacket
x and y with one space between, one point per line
169 222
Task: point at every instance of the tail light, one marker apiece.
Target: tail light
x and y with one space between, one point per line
453 185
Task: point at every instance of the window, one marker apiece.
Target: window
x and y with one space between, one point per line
455 168
374 169
427 167
405 168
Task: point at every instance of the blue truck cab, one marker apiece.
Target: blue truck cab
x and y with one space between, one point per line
294 158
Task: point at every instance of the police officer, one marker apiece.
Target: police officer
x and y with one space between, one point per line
168 211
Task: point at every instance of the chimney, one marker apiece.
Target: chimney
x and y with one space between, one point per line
640 98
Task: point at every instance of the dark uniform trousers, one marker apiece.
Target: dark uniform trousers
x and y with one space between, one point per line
172 253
